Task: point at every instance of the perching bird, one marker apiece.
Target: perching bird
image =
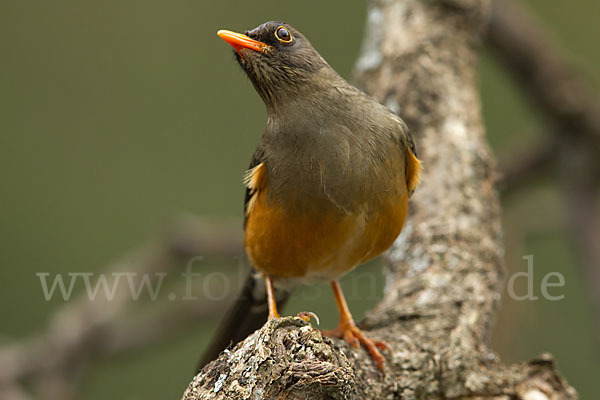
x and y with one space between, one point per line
328 184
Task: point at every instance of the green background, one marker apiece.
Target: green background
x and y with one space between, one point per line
116 116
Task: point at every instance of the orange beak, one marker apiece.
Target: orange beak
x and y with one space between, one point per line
239 41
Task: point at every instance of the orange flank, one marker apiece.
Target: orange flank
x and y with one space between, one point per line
413 171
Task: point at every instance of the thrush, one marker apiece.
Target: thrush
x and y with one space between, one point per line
328 185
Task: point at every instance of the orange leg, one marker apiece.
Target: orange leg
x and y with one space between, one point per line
348 330
271 298
305 315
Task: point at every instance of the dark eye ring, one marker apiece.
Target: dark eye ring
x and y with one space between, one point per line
283 35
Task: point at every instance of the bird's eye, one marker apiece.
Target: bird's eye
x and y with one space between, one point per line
283 35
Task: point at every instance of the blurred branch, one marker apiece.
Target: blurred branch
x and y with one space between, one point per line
522 169
572 112
13 393
522 45
84 330
579 178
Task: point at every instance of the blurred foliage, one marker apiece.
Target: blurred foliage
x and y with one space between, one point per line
117 115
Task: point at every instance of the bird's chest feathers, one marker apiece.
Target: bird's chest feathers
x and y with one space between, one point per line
320 170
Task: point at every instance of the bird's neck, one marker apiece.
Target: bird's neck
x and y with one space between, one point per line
285 99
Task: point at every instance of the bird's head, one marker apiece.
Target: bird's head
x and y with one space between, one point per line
277 58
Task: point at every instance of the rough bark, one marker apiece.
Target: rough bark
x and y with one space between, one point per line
445 271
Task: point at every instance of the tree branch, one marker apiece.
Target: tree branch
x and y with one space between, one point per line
551 83
580 179
537 160
444 275
572 113
85 330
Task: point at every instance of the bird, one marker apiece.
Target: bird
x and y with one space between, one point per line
327 187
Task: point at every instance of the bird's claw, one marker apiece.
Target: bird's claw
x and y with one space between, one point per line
307 315
354 336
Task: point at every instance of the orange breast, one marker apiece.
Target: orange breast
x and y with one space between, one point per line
318 245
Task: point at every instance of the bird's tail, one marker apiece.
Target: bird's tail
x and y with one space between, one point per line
248 313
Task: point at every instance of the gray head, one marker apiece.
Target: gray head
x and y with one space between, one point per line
277 58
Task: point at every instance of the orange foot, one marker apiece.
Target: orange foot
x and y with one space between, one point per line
348 331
